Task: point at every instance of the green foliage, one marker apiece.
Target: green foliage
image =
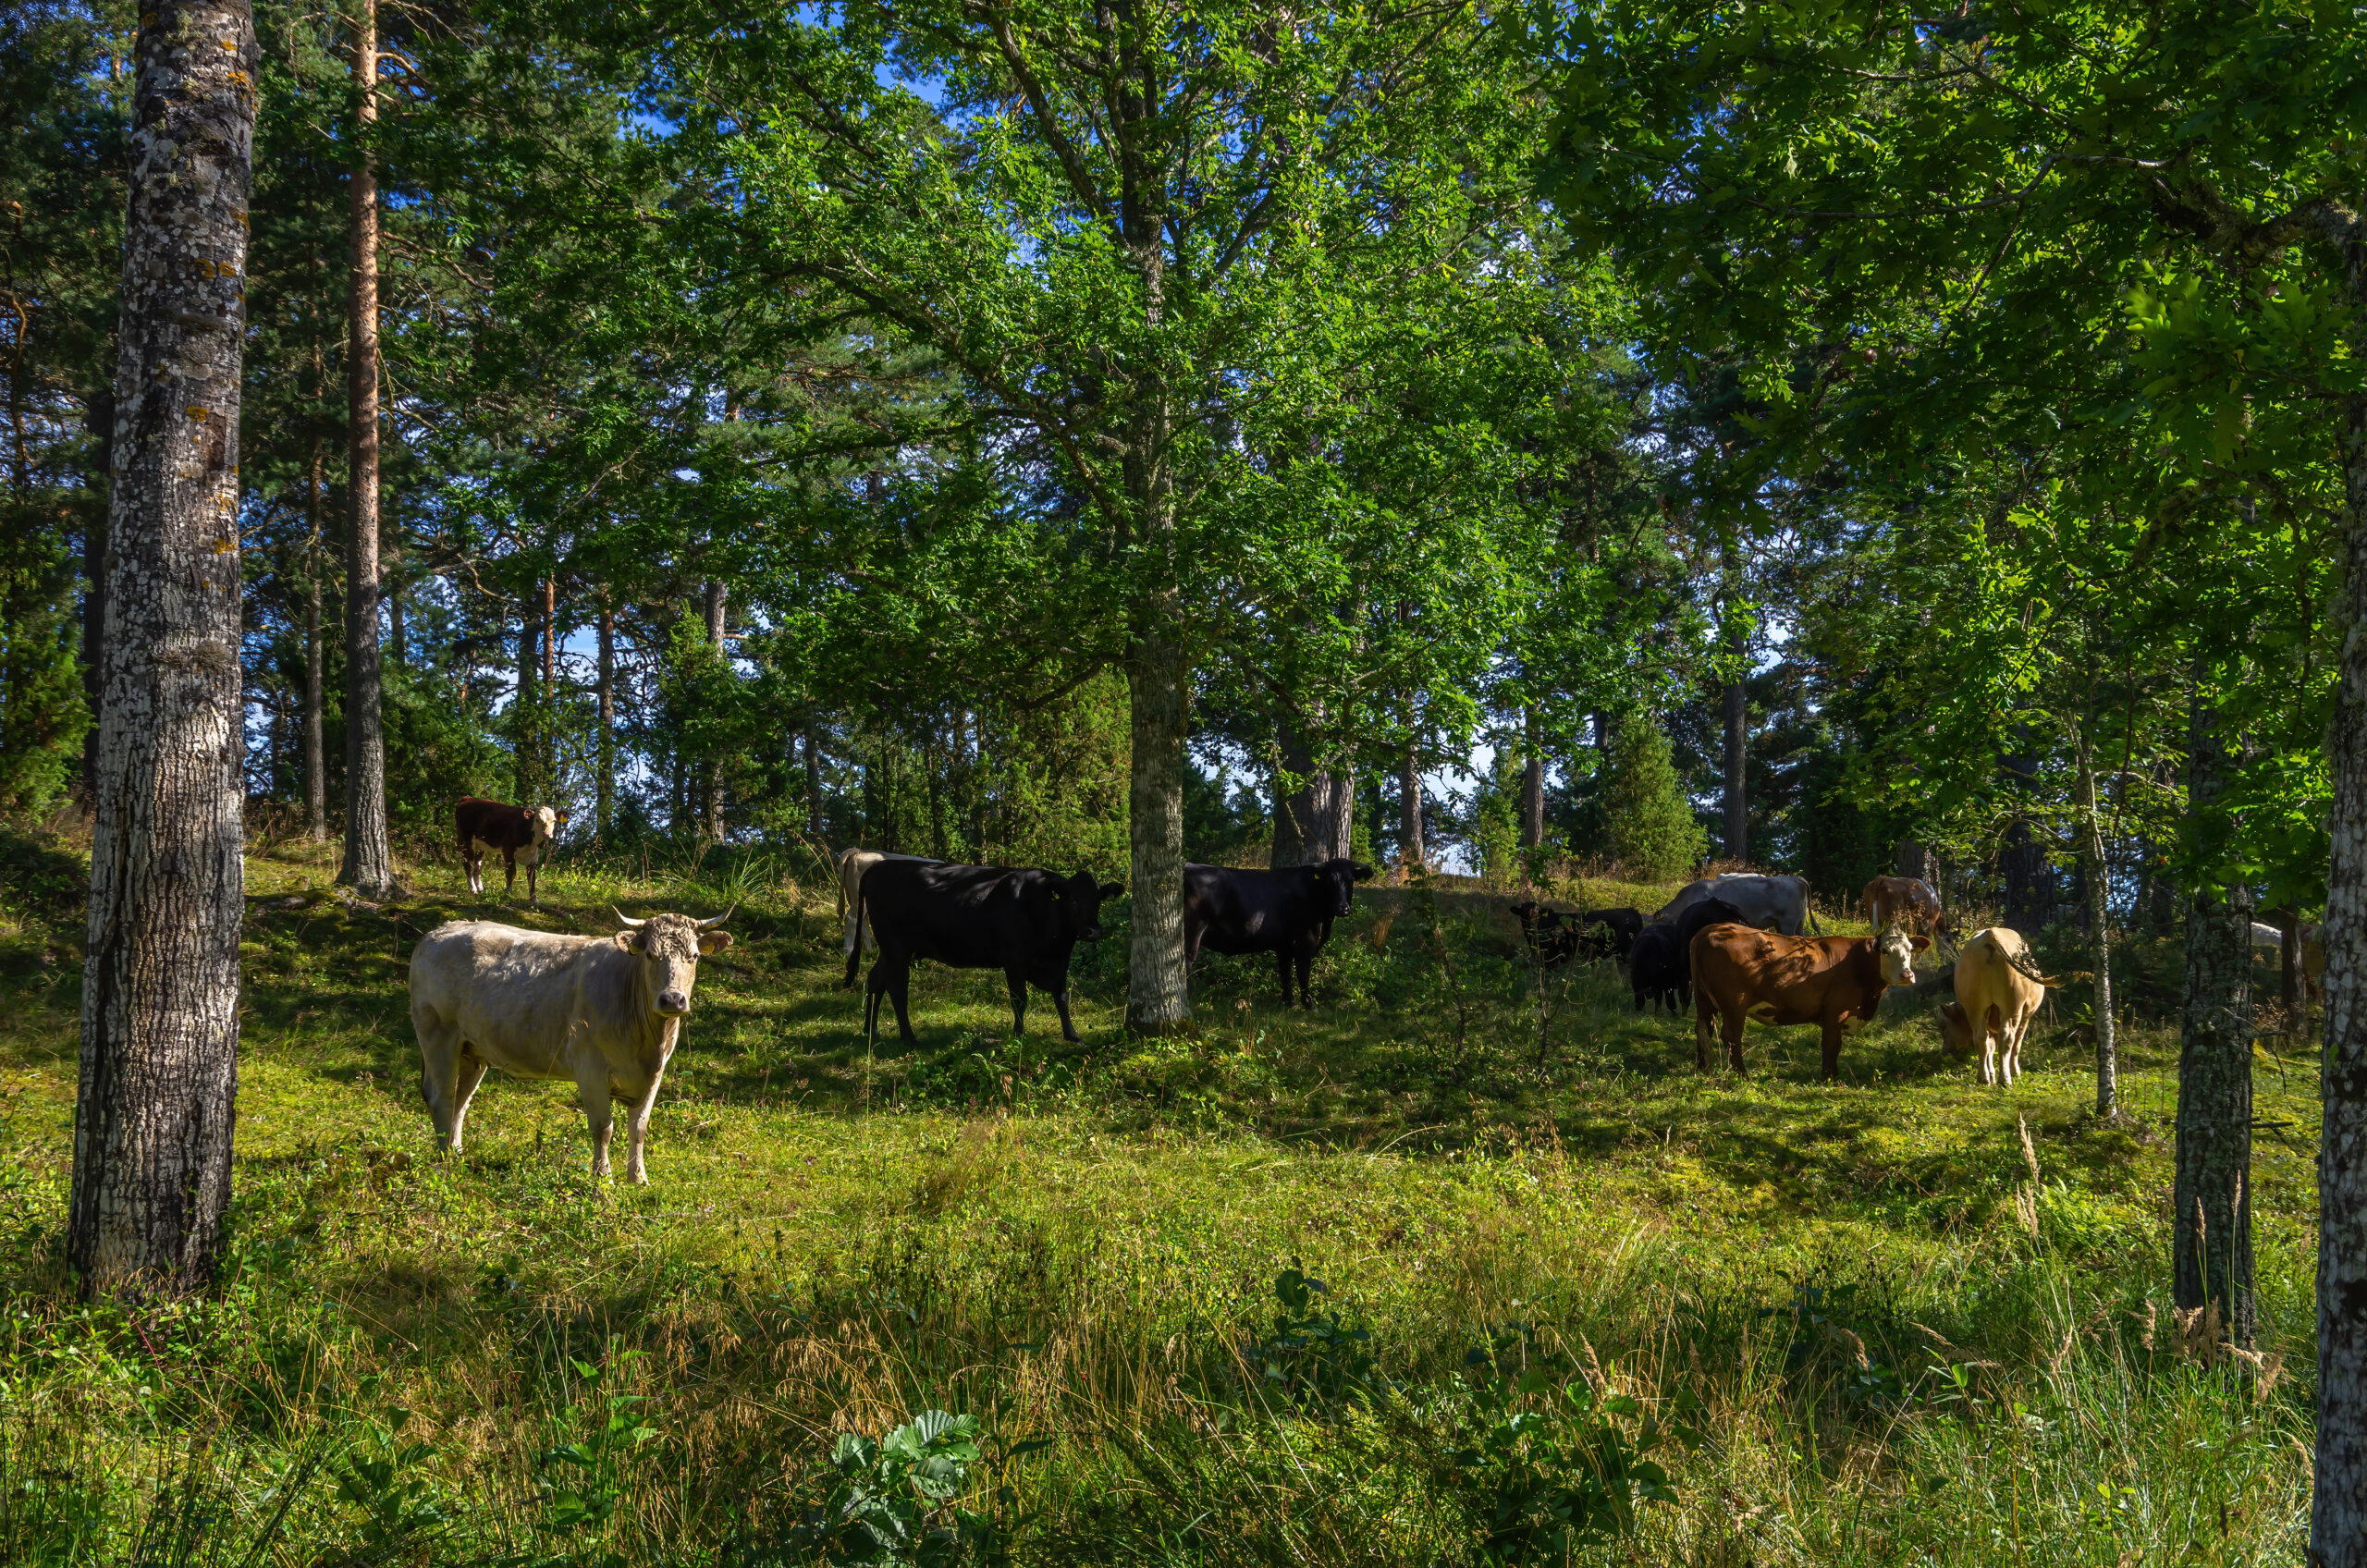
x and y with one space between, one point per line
891 1500
1548 1465
1311 1356
1651 826
401 1504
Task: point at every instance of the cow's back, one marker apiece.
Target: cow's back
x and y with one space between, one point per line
1781 979
1986 976
1240 910
515 995
964 915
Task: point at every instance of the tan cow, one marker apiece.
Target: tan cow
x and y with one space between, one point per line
1998 992
601 1012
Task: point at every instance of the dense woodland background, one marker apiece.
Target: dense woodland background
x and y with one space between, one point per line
1895 535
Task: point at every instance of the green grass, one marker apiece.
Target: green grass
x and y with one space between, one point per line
1856 1330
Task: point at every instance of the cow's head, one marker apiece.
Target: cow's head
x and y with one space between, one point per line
1896 951
1079 899
1336 884
546 821
672 945
1956 1030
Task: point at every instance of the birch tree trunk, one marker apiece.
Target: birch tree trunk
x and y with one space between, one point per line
2095 886
316 781
2338 1504
2210 1207
158 1093
369 860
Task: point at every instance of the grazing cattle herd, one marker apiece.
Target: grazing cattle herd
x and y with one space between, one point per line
604 1012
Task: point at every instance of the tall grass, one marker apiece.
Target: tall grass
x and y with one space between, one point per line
1849 1322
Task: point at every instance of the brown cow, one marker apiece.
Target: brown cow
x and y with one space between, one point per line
1834 982
514 831
1907 902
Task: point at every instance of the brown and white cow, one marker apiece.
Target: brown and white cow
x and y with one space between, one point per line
1998 992
1908 901
487 825
1836 982
601 1012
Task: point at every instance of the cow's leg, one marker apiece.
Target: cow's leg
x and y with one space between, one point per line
1731 1025
874 984
599 1113
1017 979
439 1057
1060 1000
899 991
1832 1069
1283 968
637 1130
1306 961
509 888
1701 1029
464 1089
534 870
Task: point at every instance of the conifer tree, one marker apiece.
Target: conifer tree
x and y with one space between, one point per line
1653 831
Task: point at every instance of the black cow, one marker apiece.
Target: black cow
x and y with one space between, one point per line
1547 939
1709 911
1608 933
1022 921
1287 912
1656 968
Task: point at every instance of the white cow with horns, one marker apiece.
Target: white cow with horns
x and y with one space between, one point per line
601 1012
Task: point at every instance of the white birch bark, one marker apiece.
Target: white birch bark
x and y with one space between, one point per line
158 1092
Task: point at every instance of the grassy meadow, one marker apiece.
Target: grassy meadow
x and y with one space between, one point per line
1576 1302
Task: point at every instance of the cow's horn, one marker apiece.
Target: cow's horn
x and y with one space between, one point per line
629 920
711 924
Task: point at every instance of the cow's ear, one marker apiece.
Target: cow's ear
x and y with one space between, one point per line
714 942
629 940
1113 889
1918 943
1362 872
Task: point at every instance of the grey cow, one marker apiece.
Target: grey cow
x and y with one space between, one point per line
601 1012
1772 903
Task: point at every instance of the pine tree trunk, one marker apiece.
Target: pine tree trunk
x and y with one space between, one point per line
369 860
1532 783
523 711
1157 995
2339 1507
2092 865
158 1092
95 643
813 780
715 593
316 781
605 786
1737 802
546 731
2211 1208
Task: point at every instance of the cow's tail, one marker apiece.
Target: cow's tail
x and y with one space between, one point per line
854 953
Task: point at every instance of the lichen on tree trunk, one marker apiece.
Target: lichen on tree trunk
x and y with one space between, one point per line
2211 1207
158 1091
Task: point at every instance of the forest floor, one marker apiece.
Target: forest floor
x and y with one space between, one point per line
1867 1322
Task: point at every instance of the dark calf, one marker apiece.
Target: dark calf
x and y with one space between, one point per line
487 825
